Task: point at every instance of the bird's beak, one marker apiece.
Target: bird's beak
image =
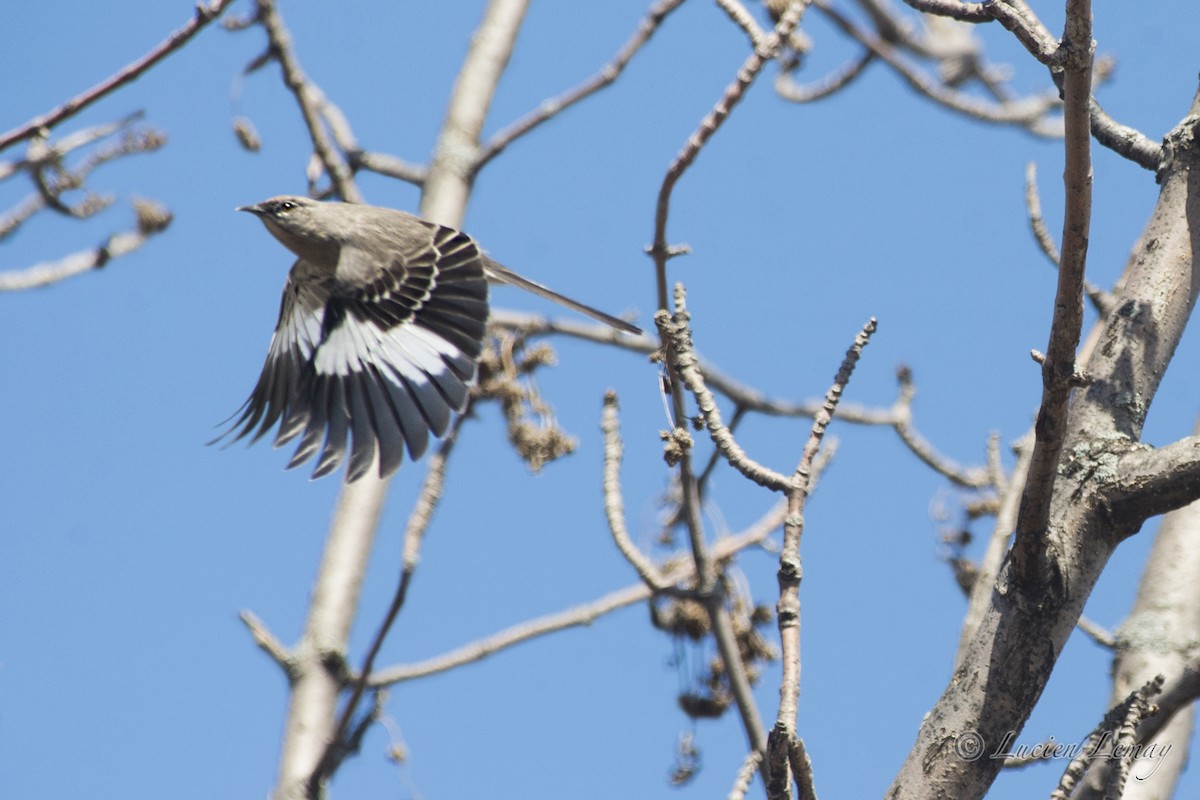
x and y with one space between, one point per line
254 209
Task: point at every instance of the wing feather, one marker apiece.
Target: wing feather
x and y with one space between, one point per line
374 367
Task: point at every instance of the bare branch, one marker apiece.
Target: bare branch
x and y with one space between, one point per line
311 100
676 328
1030 113
607 75
746 774
266 641
678 570
1018 17
980 593
1101 300
1033 207
973 477
802 770
1153 481
706 579
963 12
787 88
203 16
389 166
1097 633
418 521
152 219
748 399
740 394
1060 368
1122 720
1123 140
660 251
614 506
742 18
790 574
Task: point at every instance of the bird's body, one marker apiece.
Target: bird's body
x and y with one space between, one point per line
380 330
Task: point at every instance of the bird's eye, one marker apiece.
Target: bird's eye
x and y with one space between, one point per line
286 205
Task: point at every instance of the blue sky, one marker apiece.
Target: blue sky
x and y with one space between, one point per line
127 548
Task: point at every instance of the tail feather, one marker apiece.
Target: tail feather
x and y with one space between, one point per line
503 274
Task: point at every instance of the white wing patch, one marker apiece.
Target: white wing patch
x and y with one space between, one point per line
374 371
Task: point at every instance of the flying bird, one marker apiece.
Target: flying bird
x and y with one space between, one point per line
380 330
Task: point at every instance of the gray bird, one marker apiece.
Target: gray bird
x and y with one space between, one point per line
379 333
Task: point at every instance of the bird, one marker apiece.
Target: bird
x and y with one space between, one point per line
380 331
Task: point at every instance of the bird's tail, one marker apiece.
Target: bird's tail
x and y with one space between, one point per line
503 274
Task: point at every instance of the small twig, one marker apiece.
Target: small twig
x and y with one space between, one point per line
1033 208
743 19
971 478
1101 300
20 214
1124 140
954 9
614 506
741 783
791 572
1097 633
152 219
311 100
203 16
607 75
660 251
787 88
1017 17
1122 719
676 329
995 468
266 641
1029 113
740 394
40 152
431 492
980 593
389 166
679 570
418 522
714 458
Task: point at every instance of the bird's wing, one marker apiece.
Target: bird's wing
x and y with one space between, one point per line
380 363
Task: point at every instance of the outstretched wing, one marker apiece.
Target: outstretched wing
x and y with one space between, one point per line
375 367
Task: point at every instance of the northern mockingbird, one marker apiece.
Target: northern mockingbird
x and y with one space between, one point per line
379 333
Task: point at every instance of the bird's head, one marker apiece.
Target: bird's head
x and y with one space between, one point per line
307 227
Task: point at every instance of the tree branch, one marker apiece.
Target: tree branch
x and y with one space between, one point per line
1059 370
1029 113
783 739
614 506
203 16
152 219
607 75
678 569
310 99
1153 481
963 12
676 328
